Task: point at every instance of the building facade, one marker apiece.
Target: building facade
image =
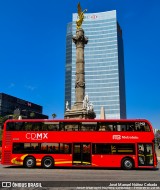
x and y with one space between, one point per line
10 105
104 63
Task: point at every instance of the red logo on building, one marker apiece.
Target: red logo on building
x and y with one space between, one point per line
29 104
94 16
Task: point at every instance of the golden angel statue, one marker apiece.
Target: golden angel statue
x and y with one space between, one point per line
81 16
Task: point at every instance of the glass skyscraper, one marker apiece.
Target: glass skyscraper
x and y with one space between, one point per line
104 63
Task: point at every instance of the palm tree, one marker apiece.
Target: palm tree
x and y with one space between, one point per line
54 115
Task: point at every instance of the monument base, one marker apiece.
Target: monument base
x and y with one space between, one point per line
79 114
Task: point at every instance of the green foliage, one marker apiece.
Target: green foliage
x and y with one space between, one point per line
1 132
157 137
15 116
54 115
3 119
32 115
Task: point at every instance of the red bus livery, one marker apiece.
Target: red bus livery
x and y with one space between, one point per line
91 143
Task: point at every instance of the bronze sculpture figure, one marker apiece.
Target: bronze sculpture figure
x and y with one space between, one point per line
80 15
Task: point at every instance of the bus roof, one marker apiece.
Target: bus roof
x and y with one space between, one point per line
78 120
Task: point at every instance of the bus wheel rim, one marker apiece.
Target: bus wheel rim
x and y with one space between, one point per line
128 164
29 162
47 162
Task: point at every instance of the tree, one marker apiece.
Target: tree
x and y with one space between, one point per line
2 120
15 116
54 115
157 137
1 132
32 115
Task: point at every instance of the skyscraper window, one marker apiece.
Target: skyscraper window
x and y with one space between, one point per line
104 63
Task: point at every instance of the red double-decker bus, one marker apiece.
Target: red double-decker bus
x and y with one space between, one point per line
91 143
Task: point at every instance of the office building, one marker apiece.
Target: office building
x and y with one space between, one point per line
10 105
104 63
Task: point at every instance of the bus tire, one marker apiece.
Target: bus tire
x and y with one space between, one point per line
29 162
48 162
127 164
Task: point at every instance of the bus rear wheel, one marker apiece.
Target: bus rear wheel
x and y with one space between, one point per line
29 162
47 162
127 164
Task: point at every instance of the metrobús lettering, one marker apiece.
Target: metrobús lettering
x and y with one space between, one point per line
129 137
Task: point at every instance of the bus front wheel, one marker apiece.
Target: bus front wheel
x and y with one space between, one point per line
127 164
29 162
47 162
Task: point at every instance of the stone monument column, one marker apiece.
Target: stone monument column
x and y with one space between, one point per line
80 40
82 108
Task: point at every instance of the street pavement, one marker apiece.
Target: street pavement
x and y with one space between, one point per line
64 177
76 175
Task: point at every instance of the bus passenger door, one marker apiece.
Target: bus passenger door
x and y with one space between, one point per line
145 154
81 154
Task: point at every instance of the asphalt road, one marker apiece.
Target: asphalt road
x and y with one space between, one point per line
14 173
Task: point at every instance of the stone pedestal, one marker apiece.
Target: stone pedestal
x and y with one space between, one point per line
79 114
79 111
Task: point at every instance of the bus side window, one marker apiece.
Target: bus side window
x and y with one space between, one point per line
36 128
68 128
51 127
9 126
61 126
130 127
123 127
55 127
44 127
28 127
114 127
104 127
138 128
120 127
146 127
142 128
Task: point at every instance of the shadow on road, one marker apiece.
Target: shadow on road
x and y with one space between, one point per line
84 168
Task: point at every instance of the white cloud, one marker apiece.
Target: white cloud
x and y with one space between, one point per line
30 87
